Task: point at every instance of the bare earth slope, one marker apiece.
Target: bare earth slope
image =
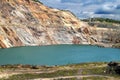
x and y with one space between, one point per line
30 23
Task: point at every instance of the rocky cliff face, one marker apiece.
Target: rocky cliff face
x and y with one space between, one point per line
30 23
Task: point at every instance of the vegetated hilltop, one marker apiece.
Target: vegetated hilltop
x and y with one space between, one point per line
112 25
30 23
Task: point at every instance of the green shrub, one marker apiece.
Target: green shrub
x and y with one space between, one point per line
38 1
102 20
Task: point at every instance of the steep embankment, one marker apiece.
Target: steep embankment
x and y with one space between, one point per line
30 23
110 30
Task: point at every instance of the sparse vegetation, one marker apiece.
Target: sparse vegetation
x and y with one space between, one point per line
84 71
95 78
100 71
67 79
103 23
38 1
102 20
43 75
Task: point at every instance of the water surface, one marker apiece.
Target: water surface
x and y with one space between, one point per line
58 55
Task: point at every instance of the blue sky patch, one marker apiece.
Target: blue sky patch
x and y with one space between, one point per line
88 8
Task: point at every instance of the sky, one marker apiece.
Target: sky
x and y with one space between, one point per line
88 8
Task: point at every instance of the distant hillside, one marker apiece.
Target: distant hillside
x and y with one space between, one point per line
103 23
111 24
102 20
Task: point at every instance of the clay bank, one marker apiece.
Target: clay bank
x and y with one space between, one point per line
30 23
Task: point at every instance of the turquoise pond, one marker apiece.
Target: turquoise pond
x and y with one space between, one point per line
58 55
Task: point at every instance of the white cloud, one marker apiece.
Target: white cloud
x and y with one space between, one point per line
88 8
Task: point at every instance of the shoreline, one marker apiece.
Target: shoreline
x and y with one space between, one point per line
81 70
98 45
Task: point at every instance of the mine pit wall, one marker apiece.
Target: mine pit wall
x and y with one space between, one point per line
29 23
13 37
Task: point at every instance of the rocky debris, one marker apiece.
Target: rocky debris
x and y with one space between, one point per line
30 23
